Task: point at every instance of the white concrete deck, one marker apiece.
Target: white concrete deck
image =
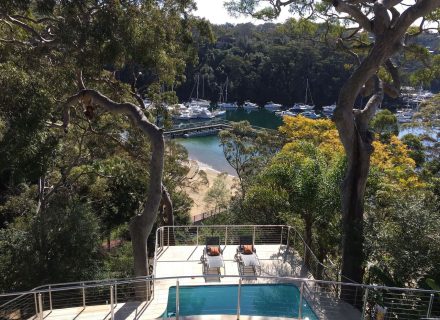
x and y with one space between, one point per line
181 261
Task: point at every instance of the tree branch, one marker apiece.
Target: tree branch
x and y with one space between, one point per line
381 18
414 12
392 90
93 97
26 27
354 12
373 103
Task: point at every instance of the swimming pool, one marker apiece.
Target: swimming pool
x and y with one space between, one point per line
272 300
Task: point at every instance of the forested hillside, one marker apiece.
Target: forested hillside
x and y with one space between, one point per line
273 62
267 62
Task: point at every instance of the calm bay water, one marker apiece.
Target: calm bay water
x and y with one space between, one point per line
208 150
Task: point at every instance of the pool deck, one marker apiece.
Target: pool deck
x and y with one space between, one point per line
181 261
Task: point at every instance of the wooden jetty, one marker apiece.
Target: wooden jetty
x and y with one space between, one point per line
197 129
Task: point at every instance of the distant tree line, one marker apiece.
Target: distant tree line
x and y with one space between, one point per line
266 62
272 62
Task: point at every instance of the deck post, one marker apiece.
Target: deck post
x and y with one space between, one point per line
355 296
36 304
226 236
300 307
305 254
197 228
238 299
116 292
364 307
112 307
177 300
50 298
253 237
147 283
83 295
288 239
431 299
40 306
294 243
281 240
168 237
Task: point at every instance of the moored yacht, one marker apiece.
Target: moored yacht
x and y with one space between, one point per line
271 106
404 115
310 115
183 115
250 106
329 110
228 106
219 113
301 107
204 113
199 103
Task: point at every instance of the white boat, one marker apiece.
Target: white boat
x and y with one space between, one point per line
270 106
199 103
329 110
304 107
301 107
228 106
205 114
250 106
219 113
184 115
285 113
310 115
404 115
148 103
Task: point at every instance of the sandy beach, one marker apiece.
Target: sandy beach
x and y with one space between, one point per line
199 205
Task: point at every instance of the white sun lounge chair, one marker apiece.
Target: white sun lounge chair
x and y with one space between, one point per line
247 258
212 257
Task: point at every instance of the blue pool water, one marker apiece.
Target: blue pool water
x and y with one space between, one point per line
279 300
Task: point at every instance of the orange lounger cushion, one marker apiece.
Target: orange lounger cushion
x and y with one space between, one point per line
214 251
247 249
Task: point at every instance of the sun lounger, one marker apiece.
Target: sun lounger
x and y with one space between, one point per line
247 258
212 257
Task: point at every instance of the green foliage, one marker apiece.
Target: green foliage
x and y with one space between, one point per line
218 194
301 189
27 145
118 264
247 149
54 185
385 125
415 147
59 246
402 239
268 62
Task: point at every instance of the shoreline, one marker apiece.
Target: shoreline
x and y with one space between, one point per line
199 206
205 166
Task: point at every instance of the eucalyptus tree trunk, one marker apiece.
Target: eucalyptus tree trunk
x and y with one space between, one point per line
141 224
357 140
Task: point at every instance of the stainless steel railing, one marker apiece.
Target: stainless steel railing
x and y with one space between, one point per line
284 235
399 303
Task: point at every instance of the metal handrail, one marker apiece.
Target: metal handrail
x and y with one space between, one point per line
310 292
286 278
307 248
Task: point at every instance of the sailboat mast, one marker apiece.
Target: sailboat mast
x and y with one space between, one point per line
226 93
307 89
198 78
